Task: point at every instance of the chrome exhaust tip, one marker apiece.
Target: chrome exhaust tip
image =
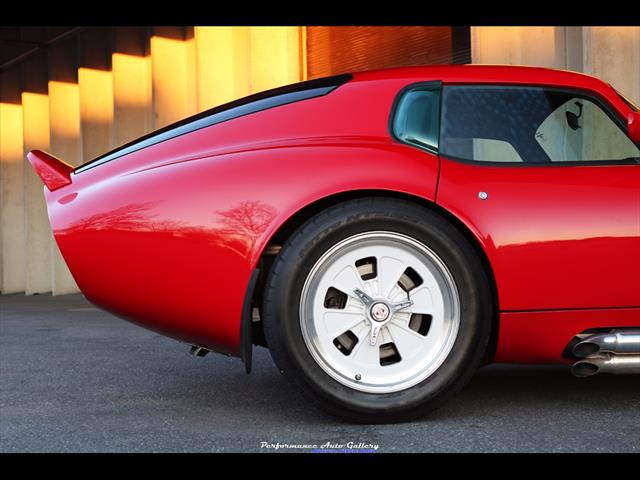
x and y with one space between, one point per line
584 369
617 351
607 363
617 342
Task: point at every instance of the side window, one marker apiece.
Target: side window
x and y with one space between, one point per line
482 150
579 130
417 117
528 124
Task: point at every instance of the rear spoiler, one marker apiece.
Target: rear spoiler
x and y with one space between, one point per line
52 171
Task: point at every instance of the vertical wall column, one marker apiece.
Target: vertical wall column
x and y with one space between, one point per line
95 85
64 117
275 57
38 238
173 74
12 251
132 92
223 62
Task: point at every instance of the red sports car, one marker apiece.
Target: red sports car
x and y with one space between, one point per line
384 233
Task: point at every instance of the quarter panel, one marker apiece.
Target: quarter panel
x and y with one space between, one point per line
172 247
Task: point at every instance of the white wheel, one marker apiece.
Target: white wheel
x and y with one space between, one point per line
379 312
378 308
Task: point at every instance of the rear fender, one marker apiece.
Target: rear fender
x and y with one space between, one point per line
173 247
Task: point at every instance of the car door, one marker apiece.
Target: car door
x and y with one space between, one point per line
549 181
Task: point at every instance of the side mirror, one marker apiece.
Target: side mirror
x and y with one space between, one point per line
573 119
633 122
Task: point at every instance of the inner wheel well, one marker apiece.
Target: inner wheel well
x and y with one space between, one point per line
300 217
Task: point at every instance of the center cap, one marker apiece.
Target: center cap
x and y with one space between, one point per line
379 311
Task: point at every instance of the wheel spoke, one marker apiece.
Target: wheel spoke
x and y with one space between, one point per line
422 301
366 354
348 280
389 272
407 341
337 322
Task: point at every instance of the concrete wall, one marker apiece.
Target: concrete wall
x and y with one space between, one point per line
88 94
610 53
613 54
12 209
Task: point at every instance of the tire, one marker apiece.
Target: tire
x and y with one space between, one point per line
406 376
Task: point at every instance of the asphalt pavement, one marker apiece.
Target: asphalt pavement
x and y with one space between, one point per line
76 379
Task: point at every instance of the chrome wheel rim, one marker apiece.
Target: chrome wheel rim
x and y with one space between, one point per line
379 312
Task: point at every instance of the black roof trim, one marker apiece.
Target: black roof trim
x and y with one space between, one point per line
237 108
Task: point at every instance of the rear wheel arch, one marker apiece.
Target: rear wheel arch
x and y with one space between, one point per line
285 230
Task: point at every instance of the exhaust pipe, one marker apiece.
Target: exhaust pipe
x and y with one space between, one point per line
606 363
615 352
617 341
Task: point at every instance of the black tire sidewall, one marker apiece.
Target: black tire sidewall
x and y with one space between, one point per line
310 242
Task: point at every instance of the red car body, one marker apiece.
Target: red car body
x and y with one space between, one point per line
168 236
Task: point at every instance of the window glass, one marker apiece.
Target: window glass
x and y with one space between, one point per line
417 117
489 150
528 124
480 149
579 130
